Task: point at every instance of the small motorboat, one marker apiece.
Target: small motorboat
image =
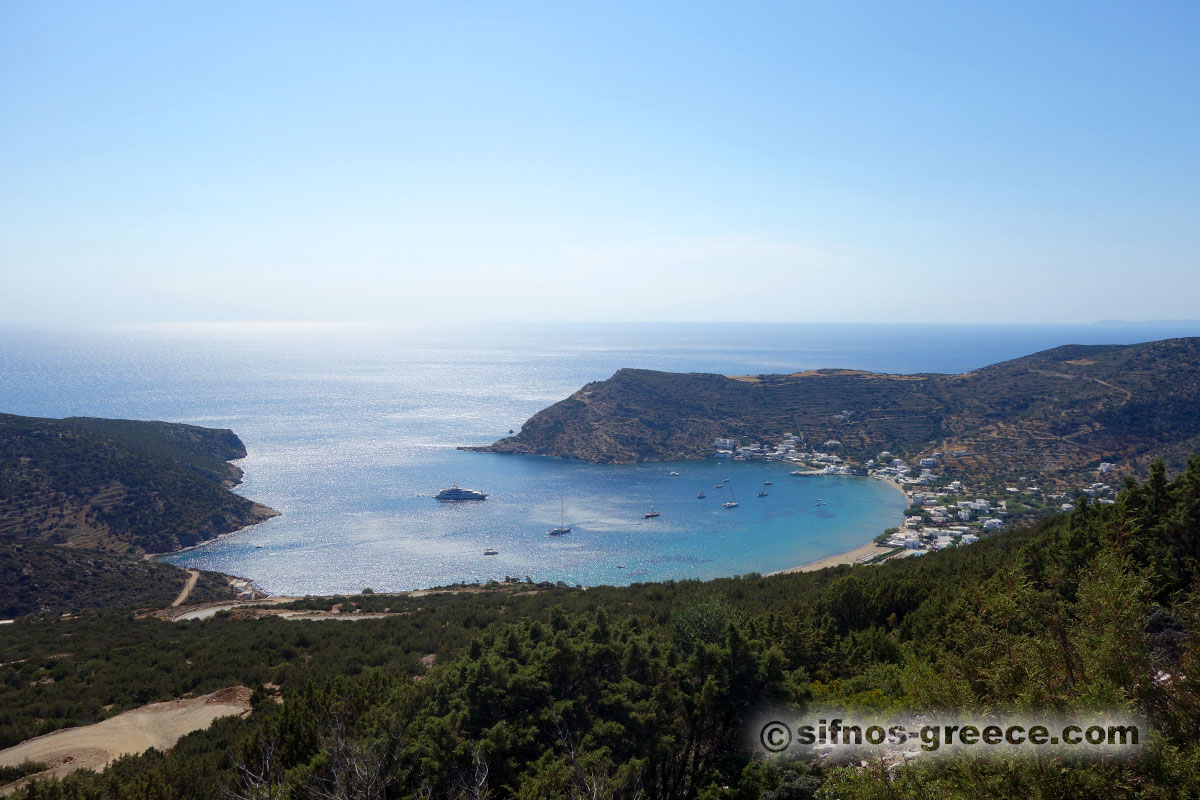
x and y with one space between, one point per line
491 552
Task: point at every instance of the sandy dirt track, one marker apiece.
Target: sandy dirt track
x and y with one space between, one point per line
159 725
189 584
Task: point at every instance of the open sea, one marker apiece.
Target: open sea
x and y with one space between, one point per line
351 429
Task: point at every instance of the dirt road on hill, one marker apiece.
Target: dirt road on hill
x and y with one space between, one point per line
193 576
159 725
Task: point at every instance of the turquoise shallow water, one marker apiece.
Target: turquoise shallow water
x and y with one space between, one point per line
351 429
402 538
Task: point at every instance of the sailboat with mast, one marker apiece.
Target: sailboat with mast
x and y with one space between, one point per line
731 502
563 527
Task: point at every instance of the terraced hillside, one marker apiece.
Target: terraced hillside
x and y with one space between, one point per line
1055 413
120 485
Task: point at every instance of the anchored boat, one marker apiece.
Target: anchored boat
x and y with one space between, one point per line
456 492
563 527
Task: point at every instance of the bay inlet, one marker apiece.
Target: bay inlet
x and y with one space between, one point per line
411 541
352 428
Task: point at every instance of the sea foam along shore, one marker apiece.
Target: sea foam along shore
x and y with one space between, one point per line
850 556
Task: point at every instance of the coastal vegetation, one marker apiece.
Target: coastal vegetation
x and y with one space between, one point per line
1058 414
120 485
40 578
10 774
541 691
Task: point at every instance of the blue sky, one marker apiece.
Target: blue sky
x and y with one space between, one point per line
826 161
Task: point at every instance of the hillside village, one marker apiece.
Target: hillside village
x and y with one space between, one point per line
942 512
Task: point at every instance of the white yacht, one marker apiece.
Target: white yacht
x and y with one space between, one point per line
563 527
456 492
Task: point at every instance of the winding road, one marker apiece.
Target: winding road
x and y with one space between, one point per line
193 576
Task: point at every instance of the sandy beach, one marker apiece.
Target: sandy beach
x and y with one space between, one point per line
848 557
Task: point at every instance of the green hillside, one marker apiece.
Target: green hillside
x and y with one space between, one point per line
120 485
1058 413
37 578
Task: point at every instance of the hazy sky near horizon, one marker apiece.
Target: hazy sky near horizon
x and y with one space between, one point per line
807 161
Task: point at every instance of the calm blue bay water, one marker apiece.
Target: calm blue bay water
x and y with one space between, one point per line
351 429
